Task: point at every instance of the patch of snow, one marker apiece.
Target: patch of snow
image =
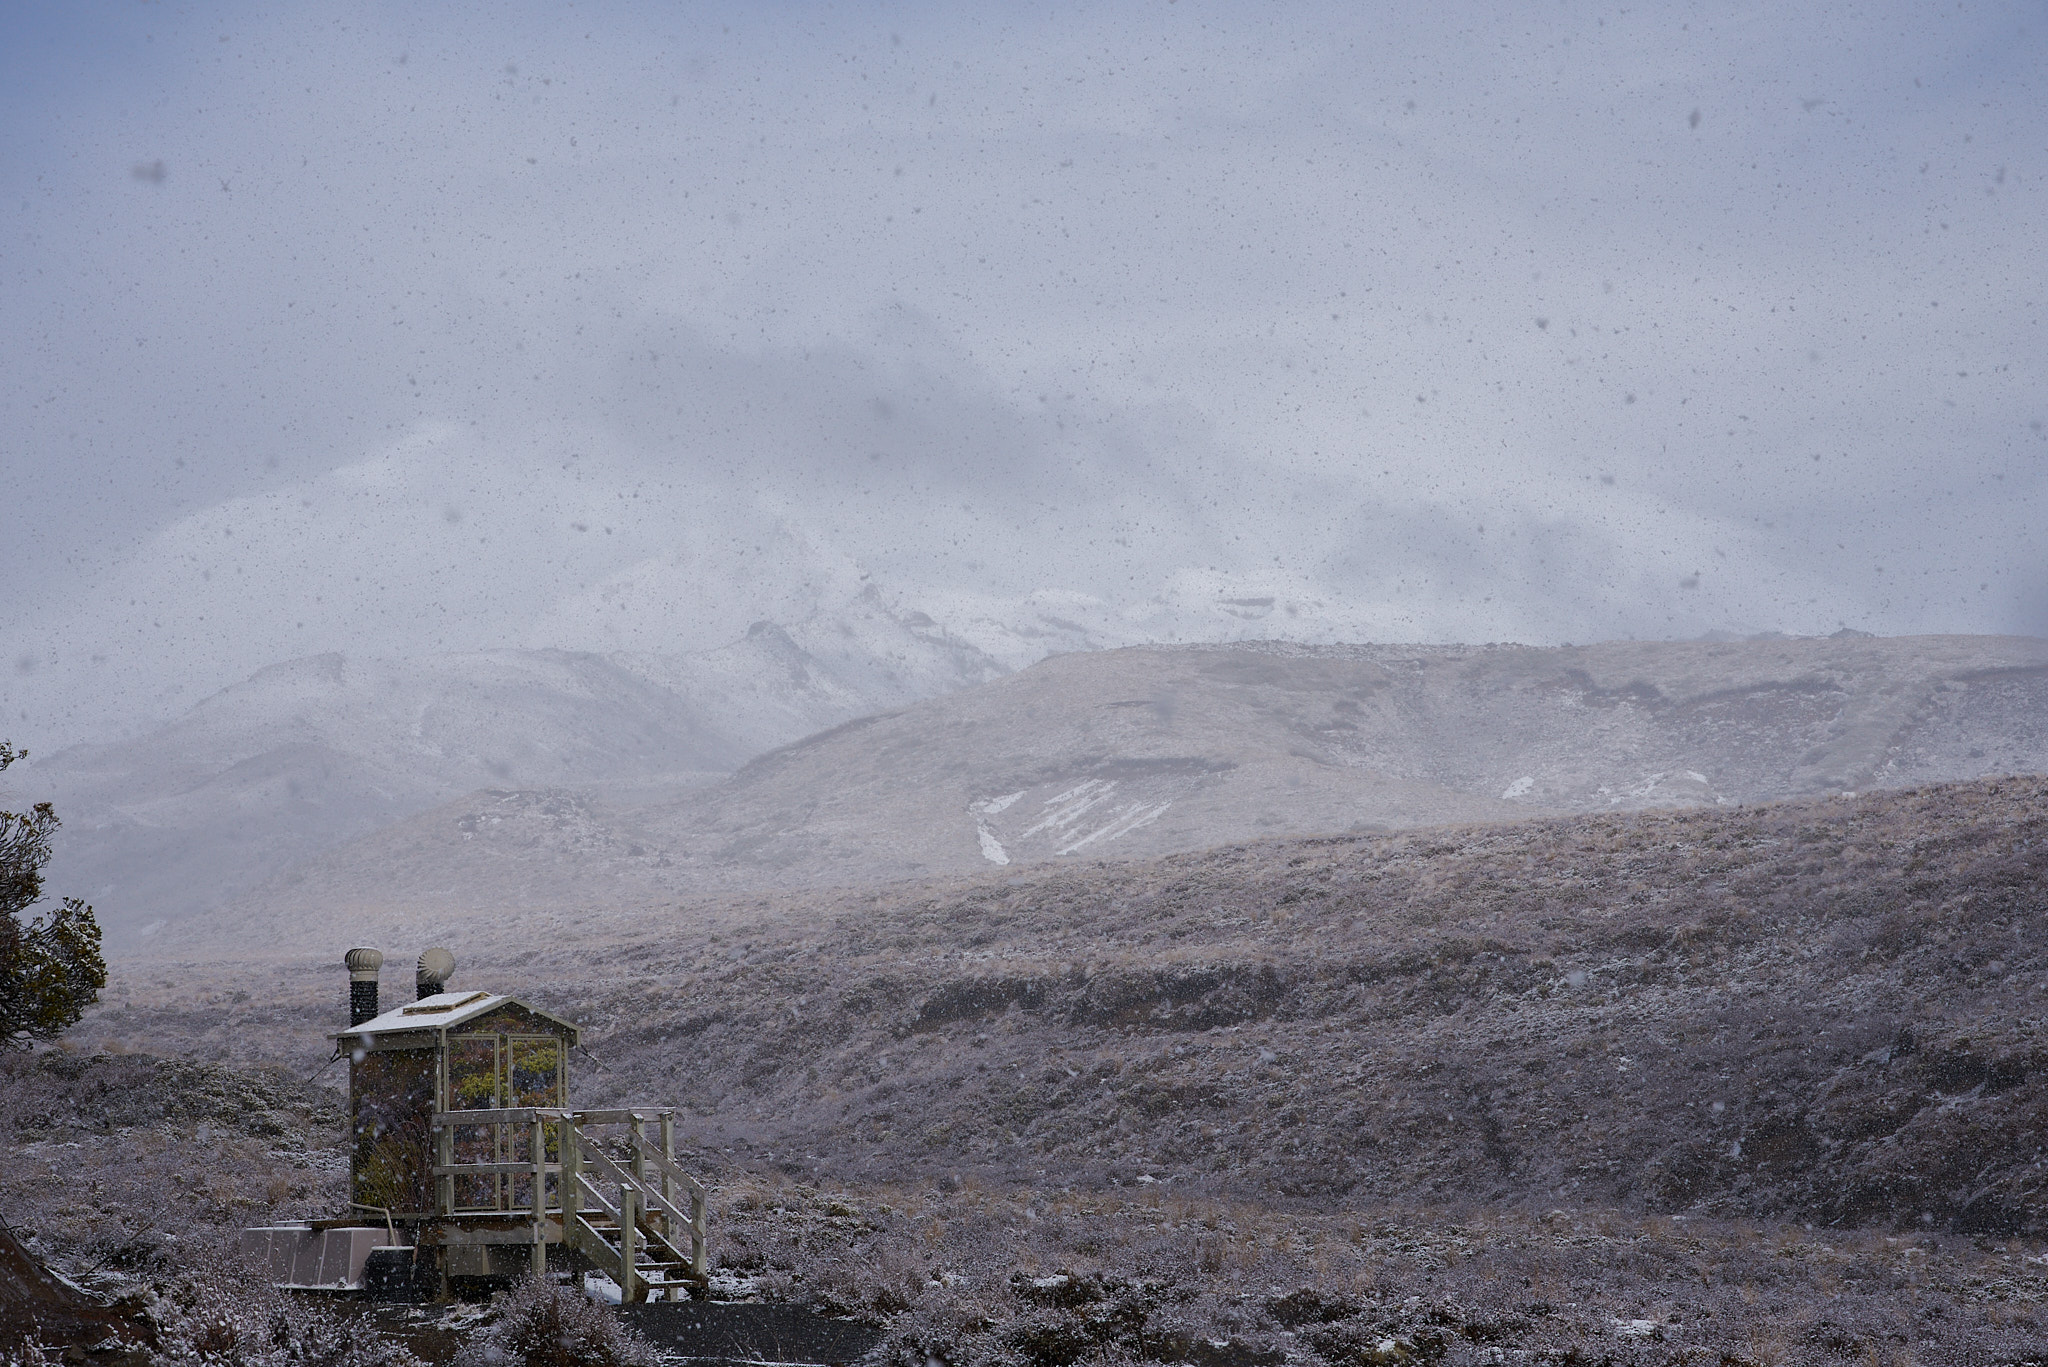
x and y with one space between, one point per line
730 1286
992 848
1635 1329
1070 806
1664 786
1519 787
1129 819
602 1289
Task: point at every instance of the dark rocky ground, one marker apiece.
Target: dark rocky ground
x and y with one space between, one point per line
1737 1085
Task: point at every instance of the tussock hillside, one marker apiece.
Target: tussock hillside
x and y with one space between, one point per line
1738 1085
1826 1011
1147 751
1829 1012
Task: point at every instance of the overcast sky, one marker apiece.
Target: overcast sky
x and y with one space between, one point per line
404 328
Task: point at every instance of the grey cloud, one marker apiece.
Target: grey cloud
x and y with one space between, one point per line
1117 311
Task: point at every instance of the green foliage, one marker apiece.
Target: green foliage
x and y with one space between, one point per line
50 968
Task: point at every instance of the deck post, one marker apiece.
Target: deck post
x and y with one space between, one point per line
668 1181
697 1259
444 1154
540 1196
638 1161
571 1180
629 1255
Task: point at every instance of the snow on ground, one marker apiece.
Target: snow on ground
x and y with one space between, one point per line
1673 786
1062 819
992 848
1071 805
1129 818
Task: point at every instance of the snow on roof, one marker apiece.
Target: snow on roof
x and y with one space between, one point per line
437 1012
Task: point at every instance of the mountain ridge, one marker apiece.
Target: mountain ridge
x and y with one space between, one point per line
314 752
1143 751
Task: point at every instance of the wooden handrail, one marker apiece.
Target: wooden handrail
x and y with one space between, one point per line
598 1249
693 1219
585 1188
504 1115
615 1117
667 1164
490 1169
649 1182
525 1115
596 1157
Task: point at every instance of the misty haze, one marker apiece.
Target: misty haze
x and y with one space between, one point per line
1182 683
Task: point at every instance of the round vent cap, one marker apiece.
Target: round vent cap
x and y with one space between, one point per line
436 966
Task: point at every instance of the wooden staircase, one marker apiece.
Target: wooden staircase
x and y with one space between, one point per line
635 1240
593 1181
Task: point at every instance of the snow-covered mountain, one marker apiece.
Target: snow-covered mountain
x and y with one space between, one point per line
313 752
1154 750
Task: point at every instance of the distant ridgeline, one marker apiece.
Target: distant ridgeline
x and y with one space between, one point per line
1134 753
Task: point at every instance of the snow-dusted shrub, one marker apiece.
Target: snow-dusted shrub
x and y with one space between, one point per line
220 1315
540 1324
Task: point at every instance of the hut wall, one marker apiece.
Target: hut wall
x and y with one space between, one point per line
391 1156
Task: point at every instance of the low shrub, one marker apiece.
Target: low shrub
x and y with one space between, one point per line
541 1324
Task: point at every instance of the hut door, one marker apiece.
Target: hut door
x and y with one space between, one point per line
475 1070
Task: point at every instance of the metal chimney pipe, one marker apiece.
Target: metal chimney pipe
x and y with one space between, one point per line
362 984
436 965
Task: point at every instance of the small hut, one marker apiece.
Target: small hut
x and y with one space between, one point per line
445 1052
466 1160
